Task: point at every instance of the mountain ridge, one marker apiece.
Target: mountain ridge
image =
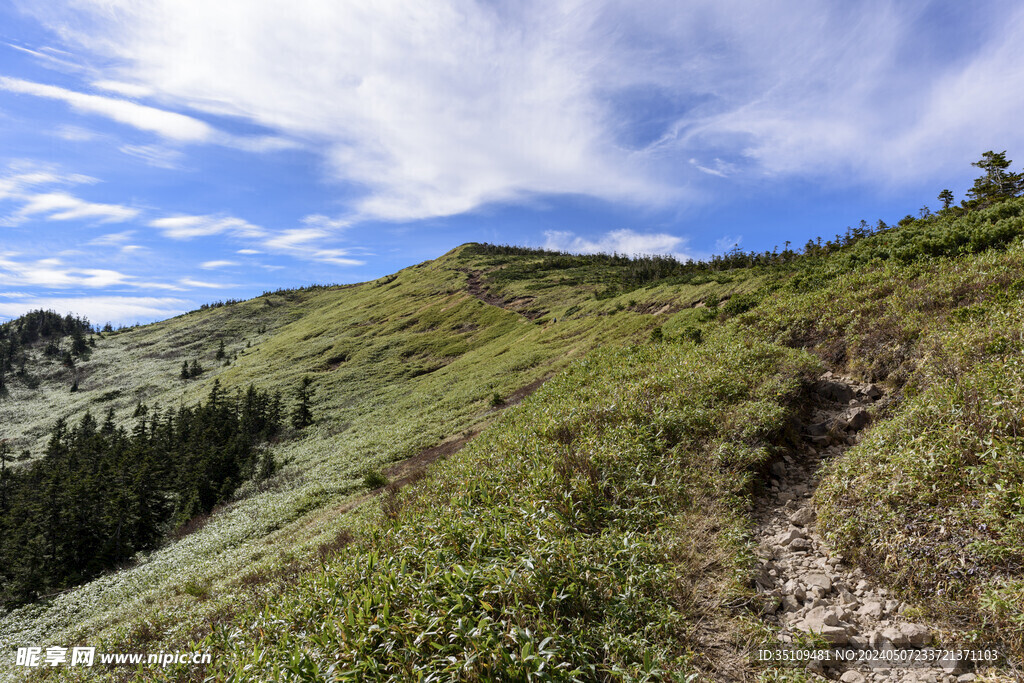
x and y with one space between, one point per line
672 391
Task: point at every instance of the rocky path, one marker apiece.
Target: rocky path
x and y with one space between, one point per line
808 587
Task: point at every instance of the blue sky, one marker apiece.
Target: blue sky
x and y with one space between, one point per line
159 154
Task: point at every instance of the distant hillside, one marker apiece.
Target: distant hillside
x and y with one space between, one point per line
443 516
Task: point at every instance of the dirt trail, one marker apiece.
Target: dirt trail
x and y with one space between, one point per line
475 286
808 588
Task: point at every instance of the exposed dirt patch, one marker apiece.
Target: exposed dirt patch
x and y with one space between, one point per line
521 393
412 468
655 307
403 472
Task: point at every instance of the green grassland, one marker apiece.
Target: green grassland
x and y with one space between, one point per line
600 529
398 364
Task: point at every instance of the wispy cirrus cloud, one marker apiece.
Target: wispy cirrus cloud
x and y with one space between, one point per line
172 126
165 123
625 242
213 265
54 273
306 243
204 284
438 109
61 206
184 227
99 309
25 188
155 155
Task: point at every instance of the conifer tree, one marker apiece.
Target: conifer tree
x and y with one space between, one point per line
997 182
302 416
946 197
220 350
5 456
78 344
185 374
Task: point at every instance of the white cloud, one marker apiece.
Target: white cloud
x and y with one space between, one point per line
719 168
52 57
23 186
172 126
75 133
317 220
727 243
22 179
126 89
119 241
438 108
292 238
435 109
101 309
189 282
188 227
248 251
165 123
301 243
155 155
211 265
625 242
61 206
114 239
53 273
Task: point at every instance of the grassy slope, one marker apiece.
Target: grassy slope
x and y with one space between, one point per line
398 365
933 500
593 533
629 474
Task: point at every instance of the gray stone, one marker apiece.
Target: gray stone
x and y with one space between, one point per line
778 469
822 580
802 517
820 617
873 392
836 391
857 419
915 634
966 678
793 534
878 641
852 677
871 609
818 429
800 545
895 636
835 635
793 587
859 642
763 579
